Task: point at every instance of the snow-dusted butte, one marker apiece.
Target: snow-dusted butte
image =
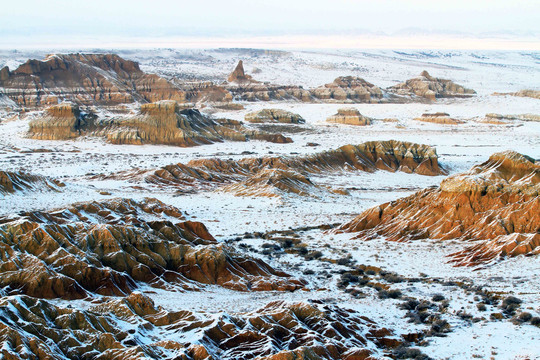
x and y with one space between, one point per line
270 205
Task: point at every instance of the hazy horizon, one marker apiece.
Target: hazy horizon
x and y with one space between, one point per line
342 23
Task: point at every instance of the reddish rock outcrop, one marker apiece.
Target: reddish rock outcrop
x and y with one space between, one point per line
87 79
134 328
496 204
349 116
439 118
274 115
431 88
109 247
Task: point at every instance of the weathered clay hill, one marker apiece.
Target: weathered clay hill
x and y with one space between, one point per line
432 88
266 175
348 89
495 205
135 328
439 118
162 122
274 115
349 116
86 79
111 247
12 182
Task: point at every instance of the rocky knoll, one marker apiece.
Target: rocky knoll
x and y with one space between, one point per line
431 88
274 115
11 182
535 94
110 247
348 89
60 122
495 204
439 118
290 174
162 122
89 79
135 328
349 116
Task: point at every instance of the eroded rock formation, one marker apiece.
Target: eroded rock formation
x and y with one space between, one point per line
110 247
60 122
274 115
134 328
439 118
431 88
238 75
349 116
88 79
495 204
11 182
349 89
278 174
162 122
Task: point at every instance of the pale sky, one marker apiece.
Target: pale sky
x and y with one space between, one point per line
32 21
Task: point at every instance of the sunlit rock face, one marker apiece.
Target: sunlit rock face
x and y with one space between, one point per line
495 204
162 122
431 88
85 79
111 247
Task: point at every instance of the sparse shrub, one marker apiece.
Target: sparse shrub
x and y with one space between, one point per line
440 327
370 272
511 300
535 321
496 316
393 278
438 297
394 294
409 353
524 317
309 272
409 304
481 307
345 261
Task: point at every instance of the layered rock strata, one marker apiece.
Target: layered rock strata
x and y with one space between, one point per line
349 116
86 79
111 247
439 118
135 328
12 182
274 115
431 88
494 208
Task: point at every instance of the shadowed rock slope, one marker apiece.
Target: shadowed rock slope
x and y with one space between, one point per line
496 204
135 328
431 88
110 247
12 182
162 122
86 79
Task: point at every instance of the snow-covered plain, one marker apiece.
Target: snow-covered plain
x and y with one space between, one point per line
228 217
